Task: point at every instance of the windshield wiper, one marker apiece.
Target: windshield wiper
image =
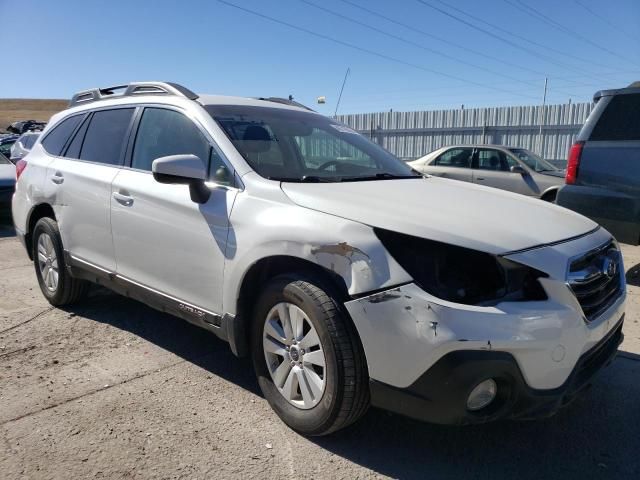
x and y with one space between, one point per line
378 176
305 179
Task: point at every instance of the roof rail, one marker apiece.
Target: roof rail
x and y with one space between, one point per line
285 101
132 89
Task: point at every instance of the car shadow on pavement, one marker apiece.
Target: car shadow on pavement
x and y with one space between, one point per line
595 437
193 344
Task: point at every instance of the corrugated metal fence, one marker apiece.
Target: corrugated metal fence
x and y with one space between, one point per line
411 135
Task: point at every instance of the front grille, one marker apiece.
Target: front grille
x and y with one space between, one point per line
596 279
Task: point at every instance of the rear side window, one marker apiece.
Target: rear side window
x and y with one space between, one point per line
56 139
105 136
165 132
620 120
489 159
456 157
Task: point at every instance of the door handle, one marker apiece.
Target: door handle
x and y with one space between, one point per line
57 178
125 200
479 178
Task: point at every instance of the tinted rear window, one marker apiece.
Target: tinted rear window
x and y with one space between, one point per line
105 136
56 139
29 140
620 120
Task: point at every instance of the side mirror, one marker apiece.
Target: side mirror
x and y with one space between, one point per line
518 169
183 170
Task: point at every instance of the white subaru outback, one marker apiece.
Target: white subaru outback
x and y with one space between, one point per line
350 279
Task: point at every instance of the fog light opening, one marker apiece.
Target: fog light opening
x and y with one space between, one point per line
482 395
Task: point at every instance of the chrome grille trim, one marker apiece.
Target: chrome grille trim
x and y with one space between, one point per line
596 278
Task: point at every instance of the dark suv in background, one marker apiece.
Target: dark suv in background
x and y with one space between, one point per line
603 169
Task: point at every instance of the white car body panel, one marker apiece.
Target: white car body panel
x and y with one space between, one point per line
469 216
165 241
81 204
265 223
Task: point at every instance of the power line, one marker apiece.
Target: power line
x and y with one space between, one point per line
615 27
370 52
415 44
531 11
440 39
506 40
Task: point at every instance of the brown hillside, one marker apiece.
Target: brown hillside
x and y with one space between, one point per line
16 109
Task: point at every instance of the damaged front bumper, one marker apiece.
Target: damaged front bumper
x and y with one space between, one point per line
425 355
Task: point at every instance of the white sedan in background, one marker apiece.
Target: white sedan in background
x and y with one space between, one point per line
515 169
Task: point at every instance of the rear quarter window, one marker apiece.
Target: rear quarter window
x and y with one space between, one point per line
620 119
56 139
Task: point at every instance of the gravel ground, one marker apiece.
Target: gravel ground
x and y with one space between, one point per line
113 389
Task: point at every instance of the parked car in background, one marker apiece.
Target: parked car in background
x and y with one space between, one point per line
6 143
515 169
7 184
22 146
603 169
349 278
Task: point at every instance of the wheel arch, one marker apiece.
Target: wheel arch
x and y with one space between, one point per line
42 210
550 192
258 274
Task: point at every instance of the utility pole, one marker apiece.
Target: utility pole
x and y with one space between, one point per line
346 74
544 101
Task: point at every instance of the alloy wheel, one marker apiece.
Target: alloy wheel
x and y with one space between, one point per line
294 355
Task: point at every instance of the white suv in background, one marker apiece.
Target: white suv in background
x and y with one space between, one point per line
349 278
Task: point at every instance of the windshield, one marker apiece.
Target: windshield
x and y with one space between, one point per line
4 160
295 146
533 161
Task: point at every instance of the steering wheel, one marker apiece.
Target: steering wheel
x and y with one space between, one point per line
330 163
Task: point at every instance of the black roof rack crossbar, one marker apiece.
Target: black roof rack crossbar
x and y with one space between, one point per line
131 89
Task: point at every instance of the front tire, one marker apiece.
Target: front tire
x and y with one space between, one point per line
308 357
56 284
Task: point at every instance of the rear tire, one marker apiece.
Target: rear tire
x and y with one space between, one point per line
332 370
56 284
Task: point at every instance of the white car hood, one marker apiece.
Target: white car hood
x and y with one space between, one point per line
467 215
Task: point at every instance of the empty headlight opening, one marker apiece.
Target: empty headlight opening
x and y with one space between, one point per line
462 275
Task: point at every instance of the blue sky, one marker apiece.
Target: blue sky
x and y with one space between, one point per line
497 52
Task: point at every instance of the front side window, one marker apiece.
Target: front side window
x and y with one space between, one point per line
456 157
489 159
165 132
291 145
56 139
533 161
106 135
